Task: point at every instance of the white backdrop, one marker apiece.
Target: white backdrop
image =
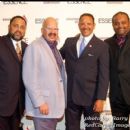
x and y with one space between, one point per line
67 14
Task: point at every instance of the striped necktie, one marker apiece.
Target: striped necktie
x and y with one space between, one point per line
120 41
19 52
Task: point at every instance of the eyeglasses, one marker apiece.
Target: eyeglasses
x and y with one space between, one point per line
51 29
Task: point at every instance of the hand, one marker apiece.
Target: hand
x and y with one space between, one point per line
44 109
98 106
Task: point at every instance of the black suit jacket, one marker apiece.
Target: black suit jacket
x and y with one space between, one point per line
12 90
88 75
119 69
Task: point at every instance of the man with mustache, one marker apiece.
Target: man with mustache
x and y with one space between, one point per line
87 76
11 85
44 78
119 50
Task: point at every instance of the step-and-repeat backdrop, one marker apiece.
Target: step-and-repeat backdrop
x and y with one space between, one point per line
67 14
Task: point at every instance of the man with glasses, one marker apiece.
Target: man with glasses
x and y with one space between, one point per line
44 78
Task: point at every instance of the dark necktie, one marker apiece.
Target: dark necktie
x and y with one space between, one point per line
120 41
56 54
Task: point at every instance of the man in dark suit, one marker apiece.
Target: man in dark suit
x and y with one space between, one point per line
11 84
119 48
88 76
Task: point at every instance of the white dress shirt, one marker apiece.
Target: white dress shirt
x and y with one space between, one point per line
87 39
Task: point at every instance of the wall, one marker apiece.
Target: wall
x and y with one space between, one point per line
67 14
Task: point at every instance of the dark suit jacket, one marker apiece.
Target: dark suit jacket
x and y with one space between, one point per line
11 85
88 75
119 69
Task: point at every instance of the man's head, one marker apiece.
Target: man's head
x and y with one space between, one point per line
121 23
50 29
17 28
86 24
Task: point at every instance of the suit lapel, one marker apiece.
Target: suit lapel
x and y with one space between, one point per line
73 49
89 46
23 46
127 46
11 48
124 50
49 51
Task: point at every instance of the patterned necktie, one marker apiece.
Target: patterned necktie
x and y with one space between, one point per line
120 41
82 46
19 52
56 54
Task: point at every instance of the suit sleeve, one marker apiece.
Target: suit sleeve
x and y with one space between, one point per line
63 49
103 74
30 75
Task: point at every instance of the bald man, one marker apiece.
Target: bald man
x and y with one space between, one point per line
44 78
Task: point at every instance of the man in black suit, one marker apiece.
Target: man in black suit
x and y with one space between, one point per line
119 48
11 84
88 76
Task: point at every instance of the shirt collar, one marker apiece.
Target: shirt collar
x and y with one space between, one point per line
87 39
14 43
51 45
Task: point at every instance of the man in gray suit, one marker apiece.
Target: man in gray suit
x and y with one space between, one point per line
44 78
88 75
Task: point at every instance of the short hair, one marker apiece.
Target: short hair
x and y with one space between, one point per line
87 14
120 12
18 16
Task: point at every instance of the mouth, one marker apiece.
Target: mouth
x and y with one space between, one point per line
52 34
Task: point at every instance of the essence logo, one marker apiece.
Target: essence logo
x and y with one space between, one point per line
8 19
72 19
51 2
104 20
39 20
117 2
79 2
14 3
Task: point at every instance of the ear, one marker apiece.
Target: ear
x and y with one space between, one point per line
94 25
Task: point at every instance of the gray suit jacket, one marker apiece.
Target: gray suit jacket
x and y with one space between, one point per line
43 80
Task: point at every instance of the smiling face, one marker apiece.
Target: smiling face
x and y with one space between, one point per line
17 29
50 29
86 25
121 24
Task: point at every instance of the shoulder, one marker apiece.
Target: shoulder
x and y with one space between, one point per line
70 41
108 39
99 41
72 38
5 37
100 45
36 43
24 44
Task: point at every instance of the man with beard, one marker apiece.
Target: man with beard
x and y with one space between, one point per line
88 75
11 85
119 50
44 78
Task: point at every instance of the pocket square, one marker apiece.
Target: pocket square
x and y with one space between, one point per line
90 54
